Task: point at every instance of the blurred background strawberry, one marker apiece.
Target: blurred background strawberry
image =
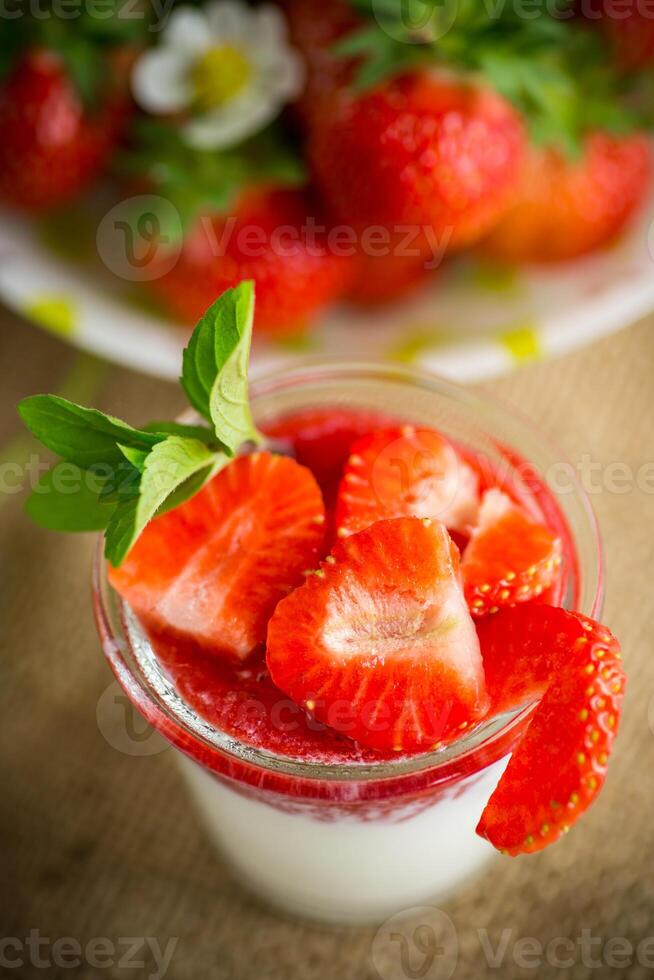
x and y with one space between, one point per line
65 102
380 142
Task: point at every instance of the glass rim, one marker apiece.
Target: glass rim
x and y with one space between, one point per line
172 716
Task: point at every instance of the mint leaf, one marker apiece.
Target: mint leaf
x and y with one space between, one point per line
66 499
122 481
200 432
81 435
120 534
214 372
169 466
193 484
121 476
137 457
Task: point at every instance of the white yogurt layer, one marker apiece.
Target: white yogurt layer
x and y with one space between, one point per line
348 870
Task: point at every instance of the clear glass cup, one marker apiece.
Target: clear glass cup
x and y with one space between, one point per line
358 842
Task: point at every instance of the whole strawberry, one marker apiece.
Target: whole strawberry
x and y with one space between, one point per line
629 25
568 207
52 144
266 236
421 151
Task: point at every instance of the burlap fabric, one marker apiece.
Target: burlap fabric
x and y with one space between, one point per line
100 844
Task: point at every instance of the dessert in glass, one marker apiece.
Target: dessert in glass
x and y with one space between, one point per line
369 629
309 820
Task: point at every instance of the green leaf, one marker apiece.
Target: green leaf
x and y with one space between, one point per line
66 499
204 182
200 432
88 72
120 534
137 457
168 467
81 435
13 40
214 373
193 484
122 481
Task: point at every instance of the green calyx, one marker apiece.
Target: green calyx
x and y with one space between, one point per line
116 478
554 67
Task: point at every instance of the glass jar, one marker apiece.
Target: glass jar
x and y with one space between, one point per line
358 842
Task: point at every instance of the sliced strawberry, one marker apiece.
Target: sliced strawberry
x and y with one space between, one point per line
321 439
406 472
214 569
559 765
510 557
379 643
516 668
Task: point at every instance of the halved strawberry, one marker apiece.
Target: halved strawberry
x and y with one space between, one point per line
214 569
559 765
379 644
510 557
406 472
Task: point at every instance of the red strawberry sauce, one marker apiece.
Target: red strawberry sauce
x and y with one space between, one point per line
244 702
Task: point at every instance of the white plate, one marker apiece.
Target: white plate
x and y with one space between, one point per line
474 322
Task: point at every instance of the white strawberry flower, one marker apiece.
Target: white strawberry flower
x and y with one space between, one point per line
229 68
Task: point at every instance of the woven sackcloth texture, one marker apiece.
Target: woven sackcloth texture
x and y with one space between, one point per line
99 843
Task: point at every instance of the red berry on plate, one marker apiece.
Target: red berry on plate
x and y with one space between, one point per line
268 238
421 151
565 208
213 569
387 278
510 557
406 471
52 146
379 644
559 766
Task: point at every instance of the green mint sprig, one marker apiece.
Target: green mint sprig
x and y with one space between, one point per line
114 477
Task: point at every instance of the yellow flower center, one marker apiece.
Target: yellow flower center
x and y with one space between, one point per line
219 75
